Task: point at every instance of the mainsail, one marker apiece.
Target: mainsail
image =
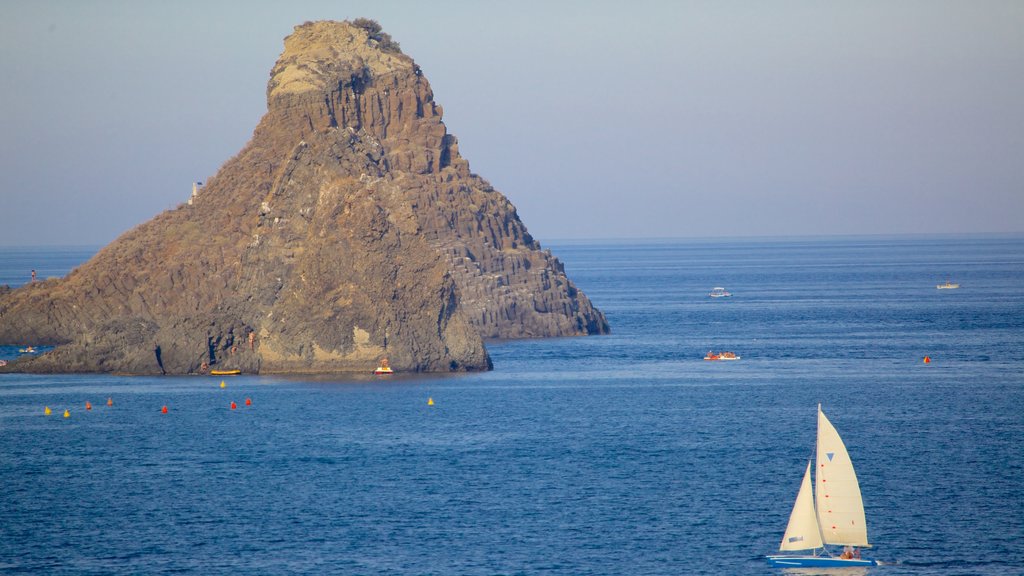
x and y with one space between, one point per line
802 533
840 507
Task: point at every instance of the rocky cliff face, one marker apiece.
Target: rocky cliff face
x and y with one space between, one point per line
348 229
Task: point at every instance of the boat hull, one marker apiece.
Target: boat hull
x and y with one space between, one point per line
817 562
225 372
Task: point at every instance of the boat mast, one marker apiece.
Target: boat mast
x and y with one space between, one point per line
814 483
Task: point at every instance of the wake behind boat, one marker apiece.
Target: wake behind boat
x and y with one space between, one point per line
835 517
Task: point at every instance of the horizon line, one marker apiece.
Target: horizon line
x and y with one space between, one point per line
639 239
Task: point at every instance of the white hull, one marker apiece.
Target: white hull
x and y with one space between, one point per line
817 562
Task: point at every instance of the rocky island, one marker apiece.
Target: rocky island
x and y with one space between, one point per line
348 229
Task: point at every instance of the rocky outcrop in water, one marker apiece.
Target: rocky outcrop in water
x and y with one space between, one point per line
348 229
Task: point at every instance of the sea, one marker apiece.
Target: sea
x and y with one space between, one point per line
619 454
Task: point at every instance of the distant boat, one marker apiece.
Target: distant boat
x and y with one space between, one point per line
225 372
719 292
383 368
721 356
947 286
835 517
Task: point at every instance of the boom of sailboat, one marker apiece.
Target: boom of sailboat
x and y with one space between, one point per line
829 514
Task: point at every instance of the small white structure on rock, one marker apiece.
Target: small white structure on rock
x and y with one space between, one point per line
195 192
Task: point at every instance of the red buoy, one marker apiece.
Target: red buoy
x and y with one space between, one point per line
248 401
110 401
88 406
164 409
233 406
927 359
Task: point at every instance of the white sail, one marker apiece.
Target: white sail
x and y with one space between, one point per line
840 507
802 532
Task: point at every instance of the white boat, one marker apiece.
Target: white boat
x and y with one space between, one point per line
834 518
947 286
718 292
383 369
721 356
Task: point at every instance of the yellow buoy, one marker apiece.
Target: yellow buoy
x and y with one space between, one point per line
47 411
223 384
67 413
430 401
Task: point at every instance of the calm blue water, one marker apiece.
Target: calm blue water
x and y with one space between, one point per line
625 454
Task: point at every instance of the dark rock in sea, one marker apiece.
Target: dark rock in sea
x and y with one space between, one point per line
348 229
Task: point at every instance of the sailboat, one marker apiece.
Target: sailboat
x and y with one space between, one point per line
835 517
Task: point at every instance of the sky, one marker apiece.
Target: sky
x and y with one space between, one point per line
597 119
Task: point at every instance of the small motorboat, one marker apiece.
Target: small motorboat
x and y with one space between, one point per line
718 292
383 369
947 286
721 356
225 372
27 350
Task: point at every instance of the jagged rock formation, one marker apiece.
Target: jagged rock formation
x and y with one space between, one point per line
349 228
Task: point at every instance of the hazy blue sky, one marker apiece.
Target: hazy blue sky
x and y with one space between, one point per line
597 119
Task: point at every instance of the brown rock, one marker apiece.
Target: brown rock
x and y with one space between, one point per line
349 228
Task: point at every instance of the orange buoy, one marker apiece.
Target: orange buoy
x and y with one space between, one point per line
110 401
164 409
233 406
248 401
88 405
927 359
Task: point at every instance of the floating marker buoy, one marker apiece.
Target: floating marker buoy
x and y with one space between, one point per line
248 401
927 359
430 401
223 384
47 411
110 401
233 406
67 413
88 406
164 409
